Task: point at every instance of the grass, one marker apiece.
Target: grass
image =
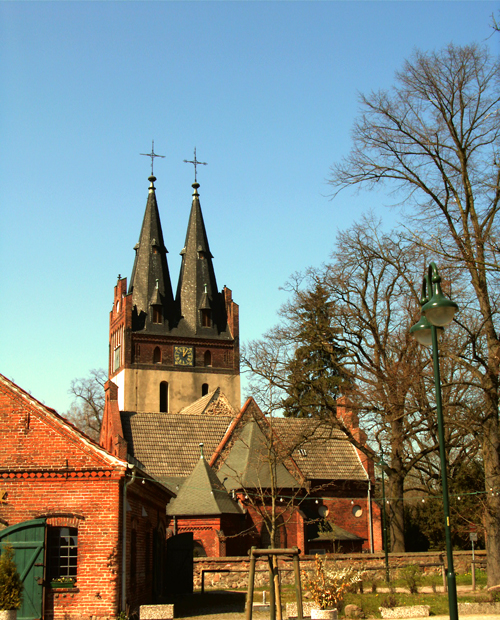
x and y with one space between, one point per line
370 601
427 580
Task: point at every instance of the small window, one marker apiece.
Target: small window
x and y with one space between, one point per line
157 317
137 352
157 355
204 389
302 452
116 359
62 552
164 397
206 318
357 511
226 358
207 358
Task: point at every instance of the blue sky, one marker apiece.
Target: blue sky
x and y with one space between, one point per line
266 91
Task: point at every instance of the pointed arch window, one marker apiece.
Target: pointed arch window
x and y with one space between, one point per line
206 317
207 358
164 397
204 389
157 315
157 355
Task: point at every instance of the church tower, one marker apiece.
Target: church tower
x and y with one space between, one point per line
165 353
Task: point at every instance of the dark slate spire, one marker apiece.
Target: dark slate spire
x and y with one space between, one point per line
150 285
201 305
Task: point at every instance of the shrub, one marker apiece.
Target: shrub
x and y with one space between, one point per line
11 586
412 577
389 601
329 587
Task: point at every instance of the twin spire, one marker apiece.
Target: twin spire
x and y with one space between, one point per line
198 307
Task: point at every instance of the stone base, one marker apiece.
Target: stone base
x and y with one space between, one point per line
479 609
409 611
324 614
291 609
156 612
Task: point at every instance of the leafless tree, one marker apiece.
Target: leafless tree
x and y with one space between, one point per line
434 140
373 286
88 404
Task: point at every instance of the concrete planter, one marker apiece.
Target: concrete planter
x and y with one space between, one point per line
324 614
409 611
8 614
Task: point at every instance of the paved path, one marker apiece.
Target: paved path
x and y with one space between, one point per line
231 606
237 615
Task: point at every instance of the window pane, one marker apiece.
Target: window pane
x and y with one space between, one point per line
62 552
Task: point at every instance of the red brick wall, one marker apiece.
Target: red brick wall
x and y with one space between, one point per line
48 469
205 531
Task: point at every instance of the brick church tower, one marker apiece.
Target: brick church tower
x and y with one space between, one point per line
165 353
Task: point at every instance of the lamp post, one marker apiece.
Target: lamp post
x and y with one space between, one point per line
438 311
381 463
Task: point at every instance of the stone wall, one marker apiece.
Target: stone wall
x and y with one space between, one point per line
232 573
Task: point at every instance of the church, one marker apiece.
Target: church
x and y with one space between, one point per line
173 410
182 468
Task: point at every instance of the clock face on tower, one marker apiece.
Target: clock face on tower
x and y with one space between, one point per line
183 356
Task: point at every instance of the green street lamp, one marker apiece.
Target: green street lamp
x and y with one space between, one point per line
438 311
381 463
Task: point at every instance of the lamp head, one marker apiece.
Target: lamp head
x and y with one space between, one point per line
439 310
422 331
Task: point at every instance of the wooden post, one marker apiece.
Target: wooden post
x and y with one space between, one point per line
277 588
251 584
272 594
298 588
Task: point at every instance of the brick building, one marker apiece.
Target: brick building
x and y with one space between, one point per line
99 515
64 497
174 383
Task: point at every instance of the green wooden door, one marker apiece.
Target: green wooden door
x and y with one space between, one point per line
28 542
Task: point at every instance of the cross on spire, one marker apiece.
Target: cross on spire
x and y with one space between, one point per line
195 162
152 155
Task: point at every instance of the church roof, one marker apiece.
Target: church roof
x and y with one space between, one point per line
320 450
202 494
248 463
150 278
167 445
334 532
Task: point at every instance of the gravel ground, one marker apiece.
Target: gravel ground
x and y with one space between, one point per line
231 606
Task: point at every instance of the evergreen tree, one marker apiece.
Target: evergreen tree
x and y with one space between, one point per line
11 586
316 376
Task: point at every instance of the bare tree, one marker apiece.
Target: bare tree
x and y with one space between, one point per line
367 304
434 139
88 404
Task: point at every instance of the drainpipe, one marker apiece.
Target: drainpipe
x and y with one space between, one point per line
370 516
124 538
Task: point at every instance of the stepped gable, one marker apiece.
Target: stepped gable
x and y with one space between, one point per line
213 403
